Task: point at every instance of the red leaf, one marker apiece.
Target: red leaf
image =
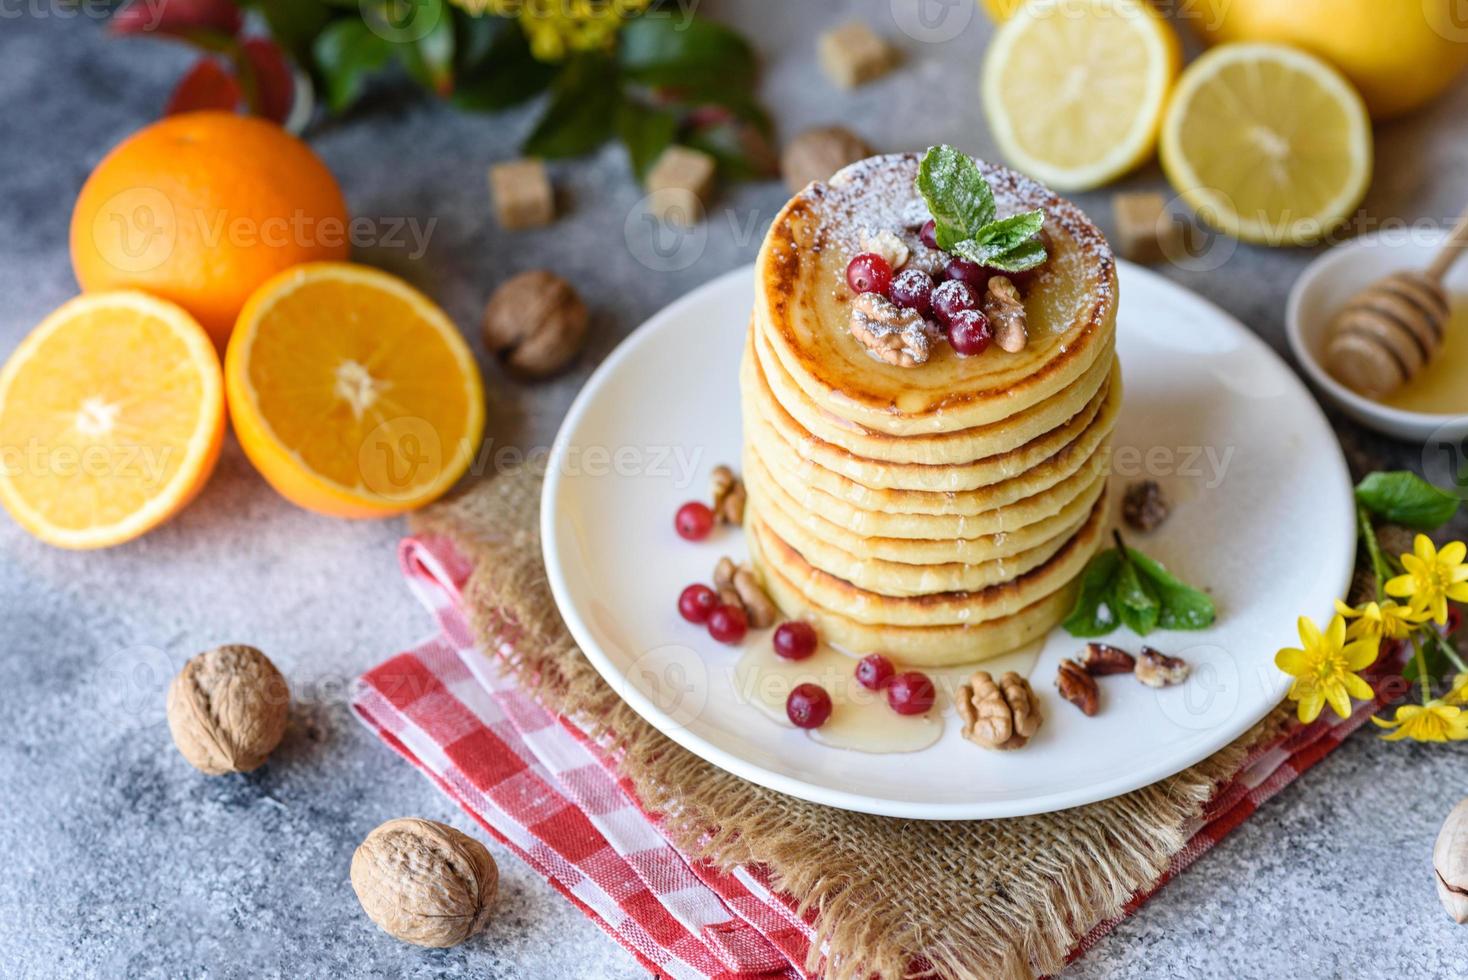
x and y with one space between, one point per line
275 86
178 18
206 86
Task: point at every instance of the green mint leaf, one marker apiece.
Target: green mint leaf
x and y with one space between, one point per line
1008 234
1024 256
1407 499
1182 606
1136 603
661 49
500 72
1092 614
956 193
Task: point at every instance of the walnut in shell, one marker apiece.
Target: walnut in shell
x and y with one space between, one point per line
537 323
227 709
1450 863
424 882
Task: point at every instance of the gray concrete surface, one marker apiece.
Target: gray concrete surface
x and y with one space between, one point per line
117 859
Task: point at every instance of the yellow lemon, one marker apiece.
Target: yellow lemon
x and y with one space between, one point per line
1075 89
1267 143
1399 53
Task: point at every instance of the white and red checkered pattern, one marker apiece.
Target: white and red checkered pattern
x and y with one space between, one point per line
537 784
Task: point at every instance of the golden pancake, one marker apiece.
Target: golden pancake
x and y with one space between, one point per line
911 476
870 559
952 446
802 306
920 646
1020 500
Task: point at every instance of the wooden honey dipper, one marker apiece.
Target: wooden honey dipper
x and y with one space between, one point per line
1391 330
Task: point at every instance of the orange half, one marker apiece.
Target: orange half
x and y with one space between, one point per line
351 392
111 419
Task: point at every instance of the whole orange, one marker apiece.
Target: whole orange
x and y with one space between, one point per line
201 209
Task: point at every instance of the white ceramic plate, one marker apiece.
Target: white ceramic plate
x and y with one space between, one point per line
1328 284
1262 519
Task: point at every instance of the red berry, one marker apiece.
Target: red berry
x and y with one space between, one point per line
869 273
808 706
873 671
929 234
971 274
694 521
970 333
951 297
910 693
697 603
913 290
795 640
1455 619
728 624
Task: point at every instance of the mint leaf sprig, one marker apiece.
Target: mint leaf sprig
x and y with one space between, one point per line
1123 587
965 217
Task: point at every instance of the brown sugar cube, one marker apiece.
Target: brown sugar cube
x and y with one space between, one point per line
1144 233
522 194
680 184
853 55
818 153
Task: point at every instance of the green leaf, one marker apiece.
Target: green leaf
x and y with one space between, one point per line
348 53
1407 499
646 132
1024 256
295 23
956 193
1136 603
1092 614
582 114
430 58
1182 606
661 49
502 75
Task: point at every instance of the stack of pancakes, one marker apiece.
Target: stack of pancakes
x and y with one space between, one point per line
939 513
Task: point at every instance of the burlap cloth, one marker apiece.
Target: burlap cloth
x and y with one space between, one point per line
988 898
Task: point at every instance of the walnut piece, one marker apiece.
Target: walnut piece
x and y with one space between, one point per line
1078 687
227 710
728 494
424 883
1003 715
1006 311
757 605
1103 659
889 246
724 573
889 333
1159 670
816 154
537 323
1145 506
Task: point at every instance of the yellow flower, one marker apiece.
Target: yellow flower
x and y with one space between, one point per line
1377 621
1433 722
557 28
1433 577
1459 693
1324 671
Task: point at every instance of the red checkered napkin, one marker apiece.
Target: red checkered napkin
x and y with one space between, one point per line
537 784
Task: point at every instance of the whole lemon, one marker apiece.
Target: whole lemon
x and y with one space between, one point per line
201 209
1400 53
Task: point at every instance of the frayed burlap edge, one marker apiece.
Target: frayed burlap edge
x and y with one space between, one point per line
975 899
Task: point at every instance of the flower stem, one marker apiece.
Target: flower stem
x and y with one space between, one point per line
1373 549
1422 677
1445 645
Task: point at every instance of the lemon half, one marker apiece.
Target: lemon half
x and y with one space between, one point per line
1268 143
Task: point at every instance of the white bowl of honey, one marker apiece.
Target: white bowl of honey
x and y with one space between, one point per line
1433 406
